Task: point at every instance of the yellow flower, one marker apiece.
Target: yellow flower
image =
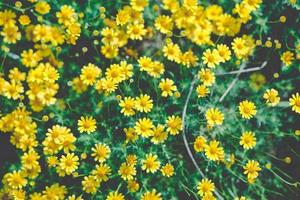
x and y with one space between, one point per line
7 17
251 169
205 186
172 52
73 197
188 59
30 58
55 191
167 86
209 196
136 31
241 198
157 69
199 144
131 159
145 64
202 91
36 196
42 7
271 97
13 90
213 151
144 127
109 51
159 135
252 4
126 69
106 84
16 75
18 194
295 102
131 135
127 105
87 124
66 15
224 52
30 159
41 33
89 74
248 140
207 77
167 170
52 161
16 180
257 81
214 116
90 184
78 85
171 5
201 37
122 17
174 124
3 85
239 46
144 103
115 196
114 72
69 163
127 171
247 109
24 20
211 58
133 186
11 33
139 5
287 58
101 172
101 152
164 24
151 195
243 11
150 163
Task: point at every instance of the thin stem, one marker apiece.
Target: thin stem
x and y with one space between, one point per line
184 134
243 71
243 65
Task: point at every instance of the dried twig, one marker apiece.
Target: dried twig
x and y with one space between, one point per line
243 71
13 56
238 73
243 65
184 126
184 134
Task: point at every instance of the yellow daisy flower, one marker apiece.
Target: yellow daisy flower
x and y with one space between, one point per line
150 163
87 124
271 97
174 124
101 152
295 102
167 86
213 151
247 109
248 140
205 186
144 103
214 116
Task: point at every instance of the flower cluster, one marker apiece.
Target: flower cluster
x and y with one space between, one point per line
148 100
